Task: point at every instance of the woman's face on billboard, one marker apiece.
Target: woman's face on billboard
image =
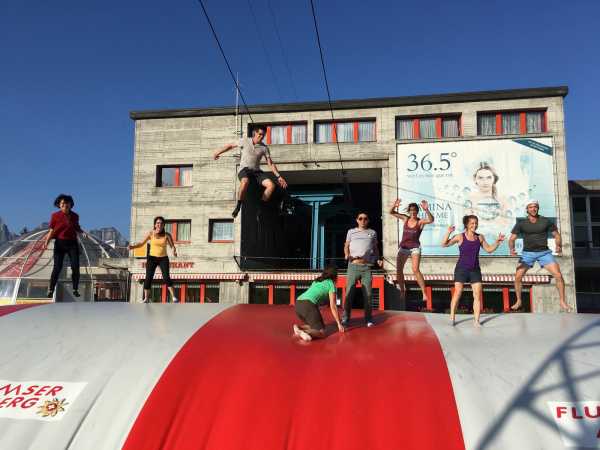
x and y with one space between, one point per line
484 179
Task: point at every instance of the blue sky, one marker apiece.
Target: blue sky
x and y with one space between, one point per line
72 71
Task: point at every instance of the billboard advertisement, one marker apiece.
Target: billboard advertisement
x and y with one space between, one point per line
492 179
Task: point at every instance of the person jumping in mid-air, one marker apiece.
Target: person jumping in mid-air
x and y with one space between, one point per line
252 151
157 257
64 227
410 246
307 306
467 268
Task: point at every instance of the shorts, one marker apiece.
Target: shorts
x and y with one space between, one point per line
255 174
462 275
544 258
409 251
309 313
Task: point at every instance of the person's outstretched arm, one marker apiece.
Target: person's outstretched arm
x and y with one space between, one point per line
447 241
491 248
224 149
280 180
428 216
140 244
334 312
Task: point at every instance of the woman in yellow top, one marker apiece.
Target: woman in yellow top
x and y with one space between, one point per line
157 256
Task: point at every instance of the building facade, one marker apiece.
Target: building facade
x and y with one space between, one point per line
336 169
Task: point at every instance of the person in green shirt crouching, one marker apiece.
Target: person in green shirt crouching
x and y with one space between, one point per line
307 306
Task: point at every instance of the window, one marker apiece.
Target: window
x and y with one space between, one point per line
285 133
431 127
220 230
346 131
586 220
174 176
202 292
511 122
181 230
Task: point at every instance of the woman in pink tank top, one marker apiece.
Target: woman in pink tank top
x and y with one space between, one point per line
410 246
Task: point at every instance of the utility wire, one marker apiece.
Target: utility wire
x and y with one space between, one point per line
225 58
344 178
285 60
266 52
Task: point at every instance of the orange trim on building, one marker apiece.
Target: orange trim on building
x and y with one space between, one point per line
416 129
523 122
498 123
438 127
355 131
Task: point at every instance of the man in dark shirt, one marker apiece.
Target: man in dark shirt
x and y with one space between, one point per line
534 229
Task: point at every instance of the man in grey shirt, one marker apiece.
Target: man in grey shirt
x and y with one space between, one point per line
252 151
362 253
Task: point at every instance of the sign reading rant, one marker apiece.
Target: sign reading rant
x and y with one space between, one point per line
577 422
177 264
37 400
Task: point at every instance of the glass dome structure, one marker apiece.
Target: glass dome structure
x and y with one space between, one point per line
25 269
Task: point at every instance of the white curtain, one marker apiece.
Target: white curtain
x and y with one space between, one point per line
534 121
427 128
185 176
184 231
510 123
324 132
486 124
278 134
345 132
299 134
366 131
222 231
450 127
404 129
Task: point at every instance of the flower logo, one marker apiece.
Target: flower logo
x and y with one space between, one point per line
51 408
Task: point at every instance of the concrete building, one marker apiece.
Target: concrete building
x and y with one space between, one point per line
378 150
585 213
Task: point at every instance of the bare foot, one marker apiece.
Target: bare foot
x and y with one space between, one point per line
296 330
304 336
566 308
517 306
476 323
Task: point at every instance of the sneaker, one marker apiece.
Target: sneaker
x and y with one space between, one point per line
175 300
144 300
76 293
304 336
370 324
296 330
50 293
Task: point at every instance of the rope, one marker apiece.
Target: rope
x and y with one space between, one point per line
235 82
343 171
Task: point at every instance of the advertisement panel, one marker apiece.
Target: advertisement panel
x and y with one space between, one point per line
492 179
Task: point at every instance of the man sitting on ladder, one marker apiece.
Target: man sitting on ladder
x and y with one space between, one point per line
252 151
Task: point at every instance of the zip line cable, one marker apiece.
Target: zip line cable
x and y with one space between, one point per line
267 57
225 58
285 60
344 178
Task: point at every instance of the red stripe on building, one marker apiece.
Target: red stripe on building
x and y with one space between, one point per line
243 381
9 309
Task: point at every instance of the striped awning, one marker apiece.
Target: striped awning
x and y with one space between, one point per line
309 276
194 276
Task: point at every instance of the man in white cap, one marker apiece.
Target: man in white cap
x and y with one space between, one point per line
534 229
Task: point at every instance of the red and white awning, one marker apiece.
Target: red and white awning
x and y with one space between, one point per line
309 276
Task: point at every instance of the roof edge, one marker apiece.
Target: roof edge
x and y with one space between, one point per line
507 94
